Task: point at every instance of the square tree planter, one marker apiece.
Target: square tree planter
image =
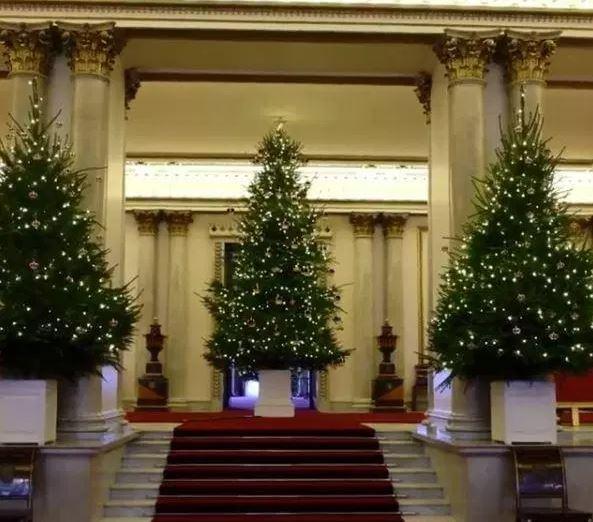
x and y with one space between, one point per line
523 411
28 411
275 397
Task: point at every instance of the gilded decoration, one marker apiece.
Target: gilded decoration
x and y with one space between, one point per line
527 55
178 222
148 221
465 55
28 48
91 49
423 91
363 224
393 224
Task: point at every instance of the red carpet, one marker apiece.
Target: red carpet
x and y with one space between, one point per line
412 417
306 469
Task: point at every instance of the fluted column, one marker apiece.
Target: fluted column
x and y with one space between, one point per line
148 228
364 357
176 356
465 56
28 49
527 59
91 50
393 232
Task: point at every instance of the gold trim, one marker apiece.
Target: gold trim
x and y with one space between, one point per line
465 54
423 321
363 224
393 225
28 48
148 221
527 55
178 222
91 49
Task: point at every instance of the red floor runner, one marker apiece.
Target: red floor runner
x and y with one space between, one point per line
307 469
412 417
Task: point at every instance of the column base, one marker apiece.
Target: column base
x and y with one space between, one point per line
92 426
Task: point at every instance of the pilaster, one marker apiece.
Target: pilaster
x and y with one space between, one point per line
178 370
364 229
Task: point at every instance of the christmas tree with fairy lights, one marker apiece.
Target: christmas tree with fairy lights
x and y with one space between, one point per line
59 316
517 298
279 312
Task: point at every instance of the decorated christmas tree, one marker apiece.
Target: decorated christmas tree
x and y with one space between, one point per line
279 312
59 317
517 298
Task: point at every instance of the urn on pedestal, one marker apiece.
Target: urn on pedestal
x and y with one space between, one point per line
388 389
153 386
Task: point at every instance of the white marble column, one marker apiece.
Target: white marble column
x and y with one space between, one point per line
393 232
462 409
527 59
29 51
89 407
148 227
364 342
177 369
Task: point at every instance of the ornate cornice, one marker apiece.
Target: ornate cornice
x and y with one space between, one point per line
465 55
148 221
363 224
423 92
132 84
527 55
91 49
178 222
393 225
28 48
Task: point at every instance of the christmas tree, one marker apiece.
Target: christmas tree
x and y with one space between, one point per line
517 298
278 312
59 318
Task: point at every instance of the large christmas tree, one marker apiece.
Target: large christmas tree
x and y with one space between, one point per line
517 298
59 317
278 312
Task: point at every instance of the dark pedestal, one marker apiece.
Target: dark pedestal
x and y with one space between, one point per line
153 393
388 394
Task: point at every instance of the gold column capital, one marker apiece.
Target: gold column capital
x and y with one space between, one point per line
178 222
148 221
28 48
582 225
465 55
91 48
393 225
527 55
363 224
423 91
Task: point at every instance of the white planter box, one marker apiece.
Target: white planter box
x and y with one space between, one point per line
524 411
28 411
275 397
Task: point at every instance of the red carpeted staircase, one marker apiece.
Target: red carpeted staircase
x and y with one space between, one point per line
275 470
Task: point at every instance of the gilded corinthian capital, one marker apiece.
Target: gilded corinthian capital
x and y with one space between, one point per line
28 48
363 224
466 55
91 48
147 221
393 224
527 55
178 222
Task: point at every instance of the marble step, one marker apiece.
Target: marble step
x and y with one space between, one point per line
140 491
148 446
129 508
157 435
416 491
404 460
412 475
138 475
394 435
424 506
402 446
144 460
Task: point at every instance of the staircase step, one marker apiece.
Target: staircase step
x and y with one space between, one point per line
277 487
273 456
414 475
139 475
144 460
404 460
273 504
384 436
416 491
281 517
270 443
424 507
267 471
129 508
157 435
141 491
409 447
